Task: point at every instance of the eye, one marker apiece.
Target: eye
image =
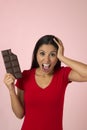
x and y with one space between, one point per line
42 53
53 54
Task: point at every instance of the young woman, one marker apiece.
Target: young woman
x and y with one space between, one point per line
40 91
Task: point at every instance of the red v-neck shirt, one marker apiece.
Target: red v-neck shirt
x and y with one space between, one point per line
43 106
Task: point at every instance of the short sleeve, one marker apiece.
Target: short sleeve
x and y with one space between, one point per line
66 74
20 82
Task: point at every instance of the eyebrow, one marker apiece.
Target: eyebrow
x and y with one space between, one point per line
51 51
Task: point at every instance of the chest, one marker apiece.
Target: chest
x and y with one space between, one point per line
43 91
43 82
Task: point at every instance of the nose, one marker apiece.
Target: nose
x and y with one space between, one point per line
47 59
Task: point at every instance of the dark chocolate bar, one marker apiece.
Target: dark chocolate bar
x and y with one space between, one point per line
11 63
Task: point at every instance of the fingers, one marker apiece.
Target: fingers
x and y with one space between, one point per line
59 42
9 79
60 48
8 75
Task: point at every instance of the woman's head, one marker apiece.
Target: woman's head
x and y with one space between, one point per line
45 40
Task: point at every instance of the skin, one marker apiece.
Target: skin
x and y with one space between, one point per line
43 78
47 54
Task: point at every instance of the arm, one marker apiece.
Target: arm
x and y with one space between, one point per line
16 99
79 69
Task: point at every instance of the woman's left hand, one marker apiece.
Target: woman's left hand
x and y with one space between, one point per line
60 48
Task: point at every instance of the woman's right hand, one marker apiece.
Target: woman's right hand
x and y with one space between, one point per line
9 80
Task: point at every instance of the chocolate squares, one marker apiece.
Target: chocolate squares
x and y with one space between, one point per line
11 63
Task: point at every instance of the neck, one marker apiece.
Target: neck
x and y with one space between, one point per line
39 72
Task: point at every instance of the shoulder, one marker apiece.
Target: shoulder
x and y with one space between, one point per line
63 71
26 73
62 74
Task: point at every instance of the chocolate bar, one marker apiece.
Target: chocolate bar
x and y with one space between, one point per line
11 63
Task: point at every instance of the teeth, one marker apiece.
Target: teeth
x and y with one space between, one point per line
46 65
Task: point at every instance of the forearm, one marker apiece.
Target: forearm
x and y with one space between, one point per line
79 67
17 107
16 103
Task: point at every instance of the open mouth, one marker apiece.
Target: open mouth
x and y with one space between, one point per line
46 66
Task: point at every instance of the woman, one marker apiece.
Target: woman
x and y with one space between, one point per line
40 91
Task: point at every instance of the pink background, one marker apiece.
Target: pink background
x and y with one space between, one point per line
22 22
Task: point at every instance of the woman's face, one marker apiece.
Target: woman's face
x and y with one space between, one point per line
47 58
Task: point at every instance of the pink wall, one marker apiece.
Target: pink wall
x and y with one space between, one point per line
22 22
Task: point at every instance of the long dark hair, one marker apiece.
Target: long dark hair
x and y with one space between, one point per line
47 39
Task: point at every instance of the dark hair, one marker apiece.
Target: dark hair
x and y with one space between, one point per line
47 39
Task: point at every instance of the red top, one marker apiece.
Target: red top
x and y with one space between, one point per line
43 107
